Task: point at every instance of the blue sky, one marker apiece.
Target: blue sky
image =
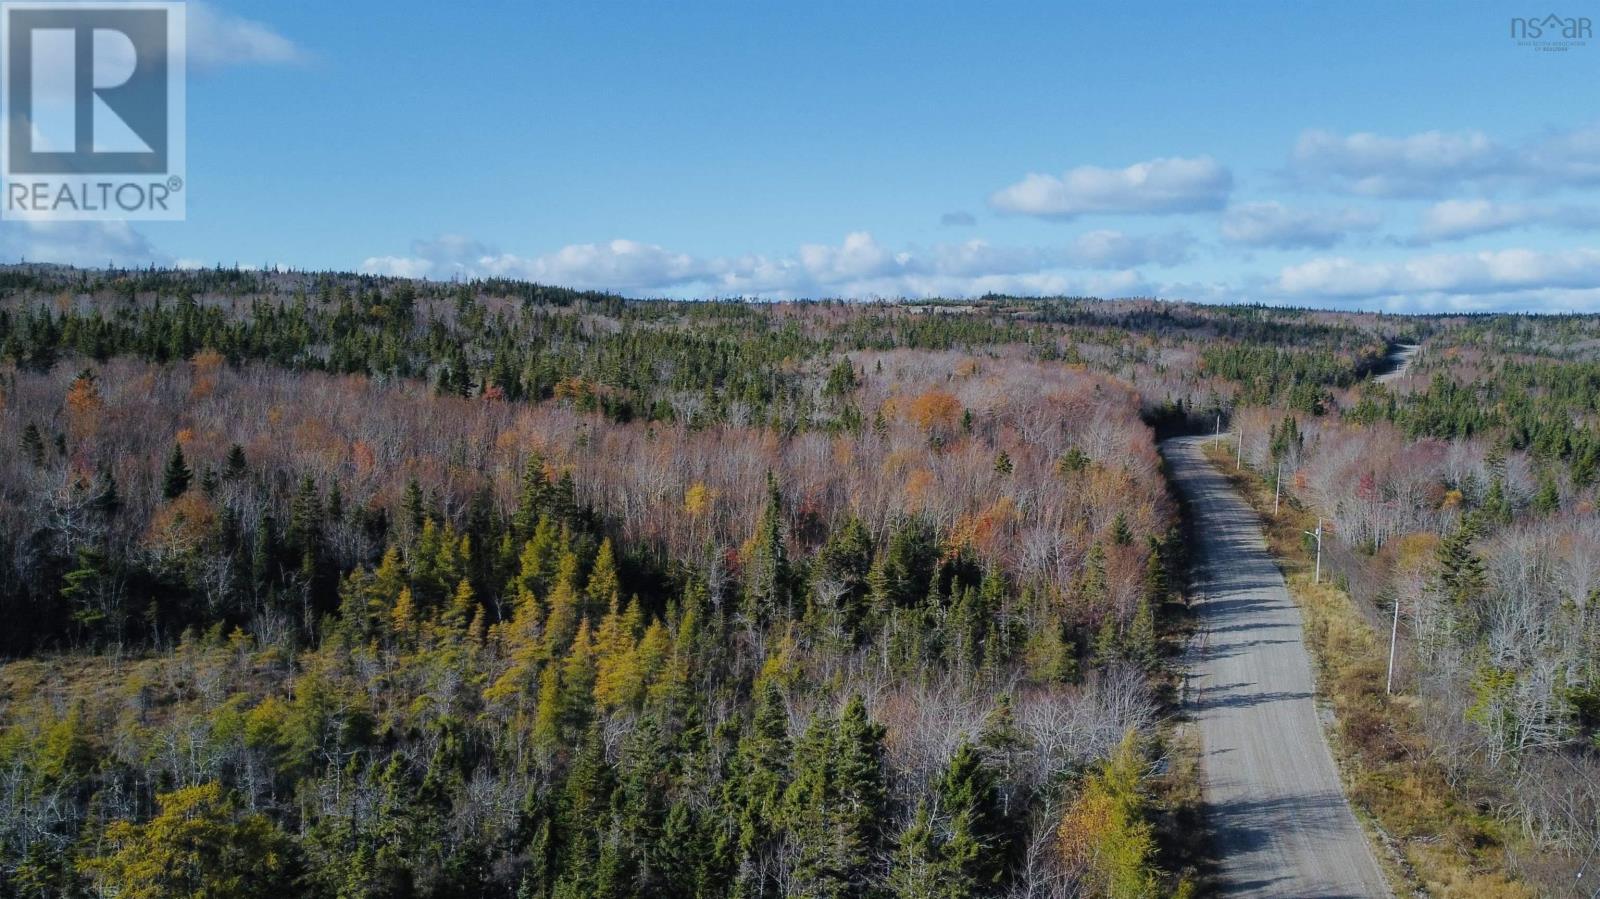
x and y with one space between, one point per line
1406 156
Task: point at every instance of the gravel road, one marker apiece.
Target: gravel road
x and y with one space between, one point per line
1399 361
1281 823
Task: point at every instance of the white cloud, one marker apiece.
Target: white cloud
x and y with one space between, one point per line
1053 283
1375 165
1114 249
1275 225
1458 219
1431 163
218 39
399 266
1458 280
84 244
1570 157
1159 186
1550 302
860 256
859 266
616 265
1455 219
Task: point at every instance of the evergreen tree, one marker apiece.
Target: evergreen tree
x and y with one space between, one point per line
644 778
1000 739
585 813
845 560
905 566
1049 656
533 499
1093 589
862 791
1157 588
577 682
235 467
108 497
1003 464
177 476
1142 644
1460 575
1548 500
767 568
759 771
980 842
918 869
1497 504
90 590
304 535
411 505
836 804
841 379
1108 640
1121 534
33 445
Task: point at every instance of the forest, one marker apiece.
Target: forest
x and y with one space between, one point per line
345 586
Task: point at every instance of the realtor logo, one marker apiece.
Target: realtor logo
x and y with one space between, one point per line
1552 33
94 107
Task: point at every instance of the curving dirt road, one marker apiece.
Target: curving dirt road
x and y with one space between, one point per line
1281 824
1400 360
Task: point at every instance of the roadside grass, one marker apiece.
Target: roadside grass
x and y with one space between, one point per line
1178 813
1177 788
1436 843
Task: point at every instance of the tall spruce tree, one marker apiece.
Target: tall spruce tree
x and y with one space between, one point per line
177 476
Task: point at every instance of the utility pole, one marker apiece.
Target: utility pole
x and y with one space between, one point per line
1219 422
1394 635
1238 461
1317 577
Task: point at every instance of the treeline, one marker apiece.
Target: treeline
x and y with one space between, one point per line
634 370
1547 408
1301 379
699 363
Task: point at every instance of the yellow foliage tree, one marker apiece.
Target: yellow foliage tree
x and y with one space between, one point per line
198 845
520 639
697 499
547 719
564 608
1105 834
619 680
605 589
655 647
462 607
403 617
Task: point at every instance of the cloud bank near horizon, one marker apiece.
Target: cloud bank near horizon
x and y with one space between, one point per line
1354 219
